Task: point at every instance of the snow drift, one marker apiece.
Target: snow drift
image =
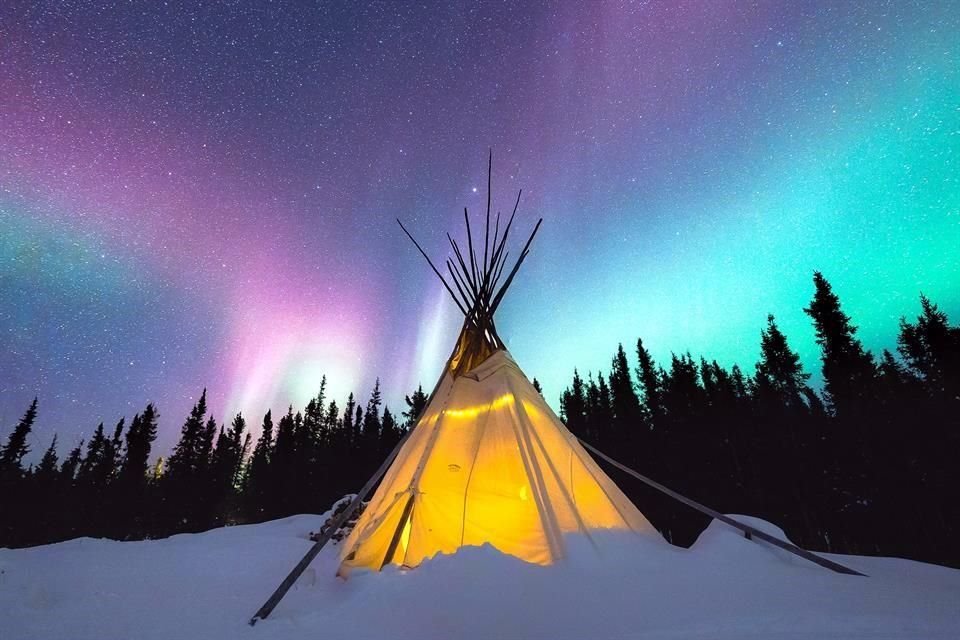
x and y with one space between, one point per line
207 585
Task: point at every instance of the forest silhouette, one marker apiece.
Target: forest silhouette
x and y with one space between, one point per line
867 465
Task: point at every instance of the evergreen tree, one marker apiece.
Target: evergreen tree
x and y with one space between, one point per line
650 384
92 464
599 414
786 445
258 471
536 385
187 454
371 423
12 453
627 426
573 408
68 470
45 508
390 433
133 511
333 426
780 377
848 370
416 403
357 427
139 441
348 426
931 348
47 470
103 463
205 451
15 516
225 469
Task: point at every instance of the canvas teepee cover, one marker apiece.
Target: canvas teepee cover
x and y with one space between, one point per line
489 461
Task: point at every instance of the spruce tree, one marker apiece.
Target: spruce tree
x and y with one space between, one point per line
47 470
139 441
258 471
627 425
68 470
93 462
931 348
45 509
649 384
573 407
370 434
185 460
205 451
348 416
390 433
603 414
416 403
786 445
12 453
780 377
849 373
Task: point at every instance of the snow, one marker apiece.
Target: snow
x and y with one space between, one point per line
207 585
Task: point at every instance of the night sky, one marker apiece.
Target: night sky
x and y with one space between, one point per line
206 196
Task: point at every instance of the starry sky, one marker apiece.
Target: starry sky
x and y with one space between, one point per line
204 196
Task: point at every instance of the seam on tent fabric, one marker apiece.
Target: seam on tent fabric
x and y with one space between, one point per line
422 463
387 479
586 465
581 452
473 462
547 518
374 524
411 487
522 412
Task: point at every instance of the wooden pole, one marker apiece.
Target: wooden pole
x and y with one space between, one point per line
748 531
337 522
516 267
424 254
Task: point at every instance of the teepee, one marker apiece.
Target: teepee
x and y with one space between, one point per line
488 461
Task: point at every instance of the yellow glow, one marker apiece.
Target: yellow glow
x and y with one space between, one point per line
405 537
474 411
492 465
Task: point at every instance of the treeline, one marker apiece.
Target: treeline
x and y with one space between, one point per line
215 476
869 465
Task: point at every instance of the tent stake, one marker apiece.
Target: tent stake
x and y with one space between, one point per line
337 522
748 531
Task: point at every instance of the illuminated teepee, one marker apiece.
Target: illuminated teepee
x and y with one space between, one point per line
488 461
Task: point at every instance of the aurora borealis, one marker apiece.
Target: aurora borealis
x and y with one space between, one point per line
205 197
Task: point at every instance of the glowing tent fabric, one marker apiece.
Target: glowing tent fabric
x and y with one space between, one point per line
489 462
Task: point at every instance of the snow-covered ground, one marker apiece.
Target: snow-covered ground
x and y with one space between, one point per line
208 585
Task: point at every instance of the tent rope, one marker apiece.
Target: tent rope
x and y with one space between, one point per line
748 531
